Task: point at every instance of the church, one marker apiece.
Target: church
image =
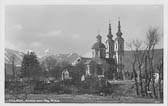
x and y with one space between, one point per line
107 58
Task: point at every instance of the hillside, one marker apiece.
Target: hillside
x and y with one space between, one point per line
128 58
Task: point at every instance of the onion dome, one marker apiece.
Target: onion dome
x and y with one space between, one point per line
98 44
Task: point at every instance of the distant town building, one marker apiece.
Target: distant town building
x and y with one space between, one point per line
107 59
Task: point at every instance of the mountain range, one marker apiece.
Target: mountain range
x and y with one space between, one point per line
17 56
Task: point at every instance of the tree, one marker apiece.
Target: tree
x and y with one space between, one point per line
59 67
50 64
130 45
146 58
152 38
30 66
65 64
76 72
147 78
140 60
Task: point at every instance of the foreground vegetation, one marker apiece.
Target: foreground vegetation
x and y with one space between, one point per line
116 92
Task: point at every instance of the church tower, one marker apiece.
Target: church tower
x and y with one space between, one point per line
98 48
109 44
119 51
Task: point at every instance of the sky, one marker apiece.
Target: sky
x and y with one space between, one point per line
61 29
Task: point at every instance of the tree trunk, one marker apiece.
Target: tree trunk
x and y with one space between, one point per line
146 77
154 90
141 84
153 78
13 69
136 82
160 74
140 62
148 84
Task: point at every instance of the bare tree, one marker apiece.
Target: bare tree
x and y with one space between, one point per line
130 45
152 38
140 60
146 58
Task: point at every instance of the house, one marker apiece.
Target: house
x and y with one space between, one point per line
65 74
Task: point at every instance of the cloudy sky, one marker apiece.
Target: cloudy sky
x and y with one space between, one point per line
73 28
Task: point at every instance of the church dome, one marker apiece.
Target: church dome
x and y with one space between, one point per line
98 45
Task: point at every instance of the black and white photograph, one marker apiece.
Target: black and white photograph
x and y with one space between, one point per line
110 54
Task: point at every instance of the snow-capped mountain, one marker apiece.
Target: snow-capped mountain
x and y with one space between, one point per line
62 57
11 55
17 56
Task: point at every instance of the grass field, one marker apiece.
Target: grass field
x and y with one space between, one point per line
124 92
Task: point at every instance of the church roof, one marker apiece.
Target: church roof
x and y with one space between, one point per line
88 61
98 45
81 60
99 61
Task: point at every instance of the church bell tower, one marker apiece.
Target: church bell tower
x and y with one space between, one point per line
119 52
109 44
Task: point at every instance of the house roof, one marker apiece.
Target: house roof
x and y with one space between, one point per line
99 60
